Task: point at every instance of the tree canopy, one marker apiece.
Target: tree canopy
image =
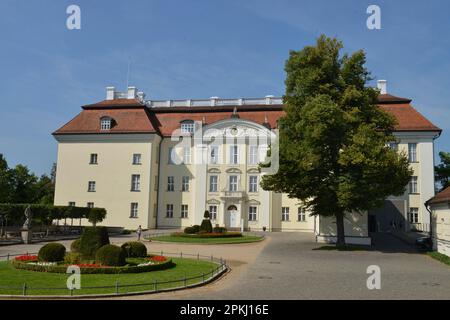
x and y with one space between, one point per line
443 170
333 138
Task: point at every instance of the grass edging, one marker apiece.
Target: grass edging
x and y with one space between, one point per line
205 241
439 257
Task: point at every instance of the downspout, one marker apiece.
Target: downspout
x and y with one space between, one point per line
431 223
159 177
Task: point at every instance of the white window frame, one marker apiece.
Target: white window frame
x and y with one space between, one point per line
413 215
414 185
137 159
284 213
253 185
253 155
72 204
233 186
135 182
170 183
185 184
213 154
213 185
187 155
187 127
169 211
412 152
134 210
184 211
105 124
90 205
301 214
91 186
234 154
213 212
93 158
252 213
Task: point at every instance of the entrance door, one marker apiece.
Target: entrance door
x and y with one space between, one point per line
233 217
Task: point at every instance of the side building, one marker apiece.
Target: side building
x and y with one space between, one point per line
161 164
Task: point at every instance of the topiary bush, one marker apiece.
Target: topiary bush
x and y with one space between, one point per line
92 239
110 255
52 252
72 258
220 230
135 249
75 246
206 226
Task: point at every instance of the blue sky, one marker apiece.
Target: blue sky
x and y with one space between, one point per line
198 49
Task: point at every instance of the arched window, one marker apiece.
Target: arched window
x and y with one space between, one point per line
105 123
187 126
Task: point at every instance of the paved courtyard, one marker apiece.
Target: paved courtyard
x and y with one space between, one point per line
286 266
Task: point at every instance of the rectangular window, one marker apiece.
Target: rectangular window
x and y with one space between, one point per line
253 184
185 184
234 154
301 214
91 186
285 214
136 182
233 186
187 127
170 183
187 155
213 212
169 211
213 185
90 205
105 124
71 204
134 210
413 215
412 152
251 213
214 155
184 211
413 185
136 158
253 155
94 158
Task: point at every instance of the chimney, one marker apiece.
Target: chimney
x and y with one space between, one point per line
110 91
382 86
269 99
132 92
213 101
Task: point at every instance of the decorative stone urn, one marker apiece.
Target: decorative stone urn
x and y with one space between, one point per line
26 232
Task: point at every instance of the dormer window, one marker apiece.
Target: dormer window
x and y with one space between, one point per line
187 126
105 123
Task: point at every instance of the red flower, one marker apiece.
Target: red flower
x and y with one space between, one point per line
26 258
158 258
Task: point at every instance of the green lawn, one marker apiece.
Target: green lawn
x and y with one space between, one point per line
229 240
37 281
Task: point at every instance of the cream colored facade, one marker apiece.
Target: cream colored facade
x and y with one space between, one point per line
441 228
175 195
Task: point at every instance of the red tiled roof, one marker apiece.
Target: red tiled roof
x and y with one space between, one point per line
126 121
441 197
133 116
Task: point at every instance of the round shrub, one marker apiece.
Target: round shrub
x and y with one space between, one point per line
135 249
110 255
72 258
75 246
92 239
52 252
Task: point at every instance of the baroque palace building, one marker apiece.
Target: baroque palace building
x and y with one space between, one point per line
161 164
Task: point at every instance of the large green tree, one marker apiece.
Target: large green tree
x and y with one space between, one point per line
443 170
333 139
5 181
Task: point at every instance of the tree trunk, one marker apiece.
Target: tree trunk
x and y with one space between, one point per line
340 230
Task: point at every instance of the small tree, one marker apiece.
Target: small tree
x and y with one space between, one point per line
96 215
206 225
443 170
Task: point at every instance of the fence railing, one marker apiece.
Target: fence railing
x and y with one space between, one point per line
119 288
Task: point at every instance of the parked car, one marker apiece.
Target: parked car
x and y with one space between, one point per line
424 243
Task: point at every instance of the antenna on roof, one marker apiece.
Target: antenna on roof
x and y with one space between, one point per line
128 71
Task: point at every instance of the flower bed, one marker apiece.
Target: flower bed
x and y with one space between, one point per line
136 265
26 258
208 235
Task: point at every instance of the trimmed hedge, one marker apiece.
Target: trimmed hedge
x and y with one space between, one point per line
208 235
52 252
102 270
47 213
75 246
92 239
192 230
135 249
219 230
206 226
111 256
